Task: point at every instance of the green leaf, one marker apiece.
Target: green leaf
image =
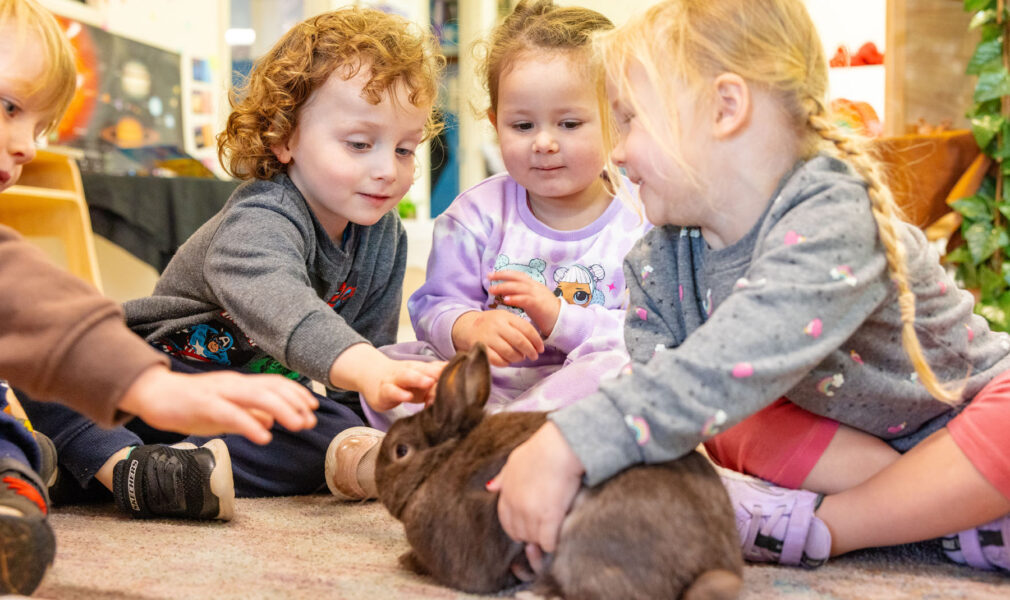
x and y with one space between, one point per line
988 188
988 57
975 5
983 240
985 127
958 256
991 107
982 16
1006 272
1003 207
967 275
973 208
996 316
992 84
992 284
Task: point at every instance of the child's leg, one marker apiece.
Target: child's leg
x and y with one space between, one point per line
556 387
958 478
851 458
292 463
794 448
932 490
83 447
27 545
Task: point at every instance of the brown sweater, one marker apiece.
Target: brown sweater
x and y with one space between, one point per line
60 339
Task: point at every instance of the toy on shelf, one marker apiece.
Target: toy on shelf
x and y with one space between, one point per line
858 117
868 54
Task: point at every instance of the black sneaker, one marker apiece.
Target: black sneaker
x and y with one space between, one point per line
176 481
27 545
49 471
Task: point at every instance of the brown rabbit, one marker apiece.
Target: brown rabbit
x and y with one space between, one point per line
656 531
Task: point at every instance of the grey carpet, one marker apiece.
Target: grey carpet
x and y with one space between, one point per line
313 547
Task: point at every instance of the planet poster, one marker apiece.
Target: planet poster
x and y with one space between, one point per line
129 96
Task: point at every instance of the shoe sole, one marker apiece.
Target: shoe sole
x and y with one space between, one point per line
222 483
331 457
27 548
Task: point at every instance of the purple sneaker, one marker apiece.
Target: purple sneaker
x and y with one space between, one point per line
776 524
982 547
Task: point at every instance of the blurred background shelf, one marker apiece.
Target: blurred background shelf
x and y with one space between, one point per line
48 208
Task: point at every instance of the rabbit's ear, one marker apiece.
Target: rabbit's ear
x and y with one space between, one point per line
463 389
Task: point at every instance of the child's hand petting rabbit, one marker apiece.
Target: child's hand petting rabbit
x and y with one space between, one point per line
652 531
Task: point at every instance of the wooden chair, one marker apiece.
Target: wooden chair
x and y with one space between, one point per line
47 206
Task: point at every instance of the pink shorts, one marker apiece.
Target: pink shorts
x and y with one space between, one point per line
982 429
783 442
780 443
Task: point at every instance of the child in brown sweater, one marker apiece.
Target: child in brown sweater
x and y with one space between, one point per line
57 333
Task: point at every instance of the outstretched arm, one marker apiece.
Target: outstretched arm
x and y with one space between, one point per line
382 381
219 402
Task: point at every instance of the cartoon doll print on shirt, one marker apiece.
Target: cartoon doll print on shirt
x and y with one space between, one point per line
534 269
577 284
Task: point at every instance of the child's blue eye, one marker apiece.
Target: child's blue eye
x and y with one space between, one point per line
570 124
524 126
359 145
405 152
9 107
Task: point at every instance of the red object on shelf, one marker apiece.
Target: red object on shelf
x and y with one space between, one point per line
841 57
868 54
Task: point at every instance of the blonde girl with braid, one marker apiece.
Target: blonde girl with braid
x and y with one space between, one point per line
781 311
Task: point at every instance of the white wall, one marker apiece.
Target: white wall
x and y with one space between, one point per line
839 22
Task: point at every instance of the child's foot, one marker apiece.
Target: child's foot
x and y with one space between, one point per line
777 524
983 547
176 481
27 545
49 472
350 463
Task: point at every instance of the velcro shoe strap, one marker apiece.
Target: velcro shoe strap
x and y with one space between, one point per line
128 482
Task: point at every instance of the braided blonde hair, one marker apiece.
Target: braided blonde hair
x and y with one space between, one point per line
773 45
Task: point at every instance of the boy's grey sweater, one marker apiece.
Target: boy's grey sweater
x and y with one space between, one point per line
286 287
812 316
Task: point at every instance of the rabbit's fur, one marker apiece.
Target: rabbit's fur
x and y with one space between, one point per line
656 531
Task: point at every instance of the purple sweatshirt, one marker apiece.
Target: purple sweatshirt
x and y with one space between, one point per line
490 227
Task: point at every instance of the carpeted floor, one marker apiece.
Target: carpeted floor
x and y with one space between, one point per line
316 548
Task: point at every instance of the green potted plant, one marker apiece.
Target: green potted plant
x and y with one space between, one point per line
983 259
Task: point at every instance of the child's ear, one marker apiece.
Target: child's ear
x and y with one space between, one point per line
732 104
282 152
491 117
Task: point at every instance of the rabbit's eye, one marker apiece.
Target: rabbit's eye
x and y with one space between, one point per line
401 450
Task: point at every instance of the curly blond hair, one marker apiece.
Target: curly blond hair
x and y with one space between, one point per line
51 94
265 109
772 44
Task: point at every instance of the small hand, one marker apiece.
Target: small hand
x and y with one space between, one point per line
508 337
538 300
404 381
537 486
219 402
